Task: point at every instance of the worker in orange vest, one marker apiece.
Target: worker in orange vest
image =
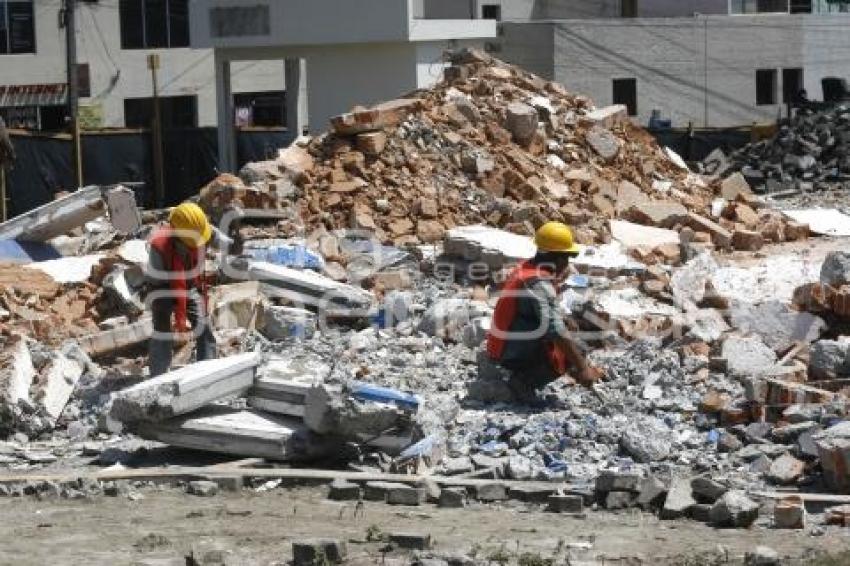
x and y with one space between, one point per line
175 278
528 335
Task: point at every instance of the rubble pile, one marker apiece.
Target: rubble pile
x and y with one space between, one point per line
809 153
368 351
498 146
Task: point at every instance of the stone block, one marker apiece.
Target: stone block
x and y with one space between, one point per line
720 236
662 214
566 503
411 541
371 143
679 500
789 513
734 510
604 143
406 495
707 490
202 488
747 240
521 121
608 116
491 492
315 551
609 480
384 115
452 497
341 490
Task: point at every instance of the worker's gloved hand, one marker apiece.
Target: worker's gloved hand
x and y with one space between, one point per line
590 376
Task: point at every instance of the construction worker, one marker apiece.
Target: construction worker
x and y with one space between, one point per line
175 278
528 335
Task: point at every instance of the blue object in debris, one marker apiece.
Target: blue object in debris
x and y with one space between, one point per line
421 448
554 462
493 448
369 392
713 436
578 281
13 251
288 256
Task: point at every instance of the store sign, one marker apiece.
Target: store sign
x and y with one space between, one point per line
33 95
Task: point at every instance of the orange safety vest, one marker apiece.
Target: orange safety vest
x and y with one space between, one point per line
506 311
163 241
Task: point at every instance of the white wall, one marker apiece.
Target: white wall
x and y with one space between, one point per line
674 72
183 71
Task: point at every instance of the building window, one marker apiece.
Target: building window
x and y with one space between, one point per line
801 6
766 87
264 109
629 8
176 112
792 85
149 24
17 30
491 12
625 92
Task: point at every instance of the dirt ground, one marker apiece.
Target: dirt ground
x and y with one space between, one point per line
258 529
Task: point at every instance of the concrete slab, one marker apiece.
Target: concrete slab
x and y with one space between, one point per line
778 325
634 235
824 221
496 248
246 433
21 374
303 288
186 389
56 217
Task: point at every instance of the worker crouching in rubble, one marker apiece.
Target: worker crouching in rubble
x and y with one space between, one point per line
175 279
528 335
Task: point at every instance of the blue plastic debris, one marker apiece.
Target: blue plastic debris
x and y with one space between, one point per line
13 251
418 449
713 436
369 392
493 448
578 281
295 256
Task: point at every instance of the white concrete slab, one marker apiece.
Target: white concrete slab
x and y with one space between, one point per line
134 251
68 269
60 380
186 389
635 235
489 245
56 217
824 221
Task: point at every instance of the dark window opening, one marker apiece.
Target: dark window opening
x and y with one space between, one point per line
264 109
176 112
792 85
42 118
625 92
629 8
17 27
801 6
149 24
766 87
491 12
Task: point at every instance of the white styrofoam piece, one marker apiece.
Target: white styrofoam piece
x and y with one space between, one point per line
68 269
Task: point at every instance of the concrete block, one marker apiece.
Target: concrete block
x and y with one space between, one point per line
531 493
245 433
237 305
186 389
701 512
411 541
833 446
17 378
55 218
491 492
790 513
734 510
651 493
379 490
315 551
619 500
707 490
341 490
280 323
406 495
123 212
452 497
202 488
785 470
720 236
566 503
609 480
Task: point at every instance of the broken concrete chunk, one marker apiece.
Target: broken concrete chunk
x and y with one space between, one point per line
833 446
635 235
566 503
313 552
679 500
829 359
280 323
778 325
785 470
835 270
384 115
608 116
123 212
790 513
342 490
113 341
734 186
747 355
59 379
186 389
492 246
663 214
734 509
604 143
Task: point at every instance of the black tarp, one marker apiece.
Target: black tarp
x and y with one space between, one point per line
43 166
697 145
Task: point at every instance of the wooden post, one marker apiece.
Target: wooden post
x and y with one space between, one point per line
3 212
156 134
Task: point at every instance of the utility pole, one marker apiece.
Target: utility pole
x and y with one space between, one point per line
73 87
156 134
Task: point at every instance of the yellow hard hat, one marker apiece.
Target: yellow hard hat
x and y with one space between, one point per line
191 224
555 237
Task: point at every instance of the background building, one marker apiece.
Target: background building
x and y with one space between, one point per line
713 63
114 38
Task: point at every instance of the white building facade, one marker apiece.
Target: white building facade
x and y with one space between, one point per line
338 53
710 63
114 39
